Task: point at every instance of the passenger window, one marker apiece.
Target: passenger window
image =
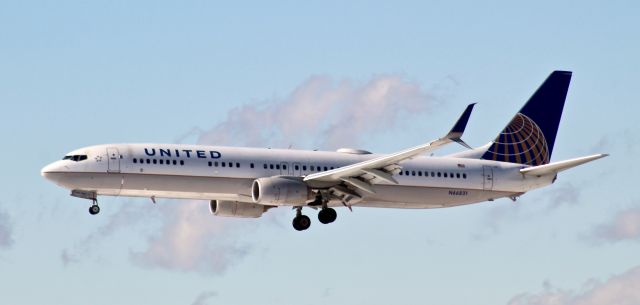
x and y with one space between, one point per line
464 176
297 167
458 175
174 162
168 162
251 165
215 164
312 168
155 161
277 166
161 161
420 173
406 173
400 173
224 164
439 175
413 173
284 166
433 174
450 175
332 167
304 167
270 166
265 166
135 160
237 165
181 162
325 168
210 164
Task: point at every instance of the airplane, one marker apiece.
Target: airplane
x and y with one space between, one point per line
246 182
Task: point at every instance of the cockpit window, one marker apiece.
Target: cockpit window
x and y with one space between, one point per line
75 158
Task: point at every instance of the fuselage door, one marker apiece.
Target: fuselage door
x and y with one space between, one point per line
487 174
297 170
114 160
285 169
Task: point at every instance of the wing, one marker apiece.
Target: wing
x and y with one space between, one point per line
383 167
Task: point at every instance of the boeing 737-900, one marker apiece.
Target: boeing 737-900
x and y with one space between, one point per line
246 182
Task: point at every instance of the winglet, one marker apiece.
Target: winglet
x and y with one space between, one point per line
458 129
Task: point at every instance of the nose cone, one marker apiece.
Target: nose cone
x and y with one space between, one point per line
50 170
47 170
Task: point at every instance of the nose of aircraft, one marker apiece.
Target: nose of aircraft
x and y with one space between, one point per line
47 170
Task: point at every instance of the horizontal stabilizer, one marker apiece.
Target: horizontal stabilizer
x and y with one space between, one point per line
556 167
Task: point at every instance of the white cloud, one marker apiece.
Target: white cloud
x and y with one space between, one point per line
625 225
564 194
619 290
535 204
6 231
204 297
325 112
67 257
191 239
128 215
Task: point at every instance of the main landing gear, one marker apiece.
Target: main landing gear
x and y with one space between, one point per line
326 215
301 222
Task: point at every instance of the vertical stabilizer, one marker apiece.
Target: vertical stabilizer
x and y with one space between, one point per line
530 136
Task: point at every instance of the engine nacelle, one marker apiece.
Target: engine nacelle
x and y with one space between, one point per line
280 191
236 209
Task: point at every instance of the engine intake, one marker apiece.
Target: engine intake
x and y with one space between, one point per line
236 209
280 191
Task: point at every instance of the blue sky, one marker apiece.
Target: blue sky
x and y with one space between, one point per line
77 73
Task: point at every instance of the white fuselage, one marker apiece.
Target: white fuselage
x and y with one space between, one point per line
227 173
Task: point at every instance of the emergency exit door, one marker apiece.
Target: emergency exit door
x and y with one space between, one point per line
487 174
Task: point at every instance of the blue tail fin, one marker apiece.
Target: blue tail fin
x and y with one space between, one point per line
529 137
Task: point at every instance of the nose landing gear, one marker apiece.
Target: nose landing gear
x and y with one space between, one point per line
94 208
91 195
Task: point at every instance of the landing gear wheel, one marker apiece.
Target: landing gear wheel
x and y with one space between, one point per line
301 222
94 209
327 215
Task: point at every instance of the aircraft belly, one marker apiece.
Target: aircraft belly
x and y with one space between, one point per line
239 189
161 186
187 187
412 197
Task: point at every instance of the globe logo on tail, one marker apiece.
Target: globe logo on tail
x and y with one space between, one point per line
522 141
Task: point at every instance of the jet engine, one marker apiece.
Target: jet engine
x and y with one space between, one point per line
236 209
280 191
